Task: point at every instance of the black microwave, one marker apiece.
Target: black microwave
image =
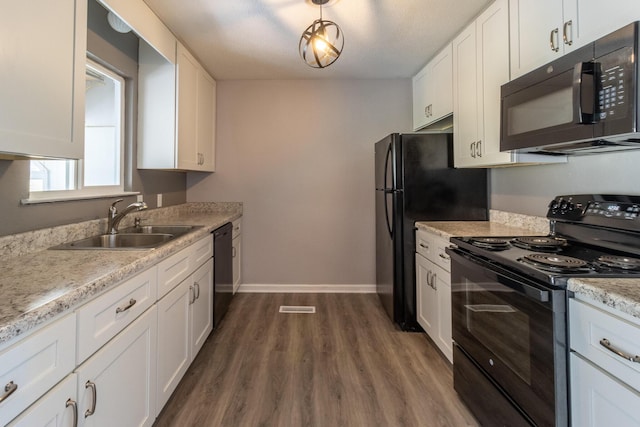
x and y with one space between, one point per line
584 102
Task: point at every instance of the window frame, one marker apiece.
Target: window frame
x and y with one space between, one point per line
89 192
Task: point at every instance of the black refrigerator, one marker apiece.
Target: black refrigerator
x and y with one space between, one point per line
416 181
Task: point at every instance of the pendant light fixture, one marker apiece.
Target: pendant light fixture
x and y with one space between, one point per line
322 42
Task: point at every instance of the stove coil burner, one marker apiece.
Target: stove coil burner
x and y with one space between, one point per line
491 243
556 263
620 262
541 244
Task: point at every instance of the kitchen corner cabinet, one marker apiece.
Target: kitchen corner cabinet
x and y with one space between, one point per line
542 31
432 90
176 112
42 74
604 383
433 290
480 67
236 248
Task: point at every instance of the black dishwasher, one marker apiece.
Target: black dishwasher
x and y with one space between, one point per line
222 272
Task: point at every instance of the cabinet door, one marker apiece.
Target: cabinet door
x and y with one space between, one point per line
119 380
426 296
465 103
420 87
187 109
173 342
597 19
206 122
492 44
201 310
42 74
534 26
236 247
442 87
598 399
57 408
442 337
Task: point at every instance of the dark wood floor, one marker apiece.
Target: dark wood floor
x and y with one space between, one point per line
346 365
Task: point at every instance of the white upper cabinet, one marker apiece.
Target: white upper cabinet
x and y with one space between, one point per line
542 30
433 91
42 72
176 112
480 68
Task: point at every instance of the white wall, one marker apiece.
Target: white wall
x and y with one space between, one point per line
299 154
529 189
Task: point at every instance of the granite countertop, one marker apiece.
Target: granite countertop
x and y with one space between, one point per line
40 284
620 294
447 229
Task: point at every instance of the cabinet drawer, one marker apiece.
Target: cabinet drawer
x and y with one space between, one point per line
174 270
53 409
36 364
101 319
589 325
202 250
237 228
432 247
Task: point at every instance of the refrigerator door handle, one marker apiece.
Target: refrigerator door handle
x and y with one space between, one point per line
387 191
386 214
386 166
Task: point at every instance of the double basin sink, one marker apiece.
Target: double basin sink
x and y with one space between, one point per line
133 238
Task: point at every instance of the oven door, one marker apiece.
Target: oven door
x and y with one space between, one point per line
514 331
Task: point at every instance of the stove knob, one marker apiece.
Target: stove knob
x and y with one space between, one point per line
554 205
564 205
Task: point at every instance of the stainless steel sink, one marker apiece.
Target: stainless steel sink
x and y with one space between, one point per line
130 241
176 230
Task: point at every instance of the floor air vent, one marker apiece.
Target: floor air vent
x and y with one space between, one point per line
297 309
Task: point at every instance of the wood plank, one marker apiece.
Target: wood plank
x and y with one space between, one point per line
345 365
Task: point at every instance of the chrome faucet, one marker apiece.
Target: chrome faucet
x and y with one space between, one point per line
114 217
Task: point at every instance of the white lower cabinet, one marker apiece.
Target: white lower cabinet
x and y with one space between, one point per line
433 290
185 317
598 399
32 366
57 408
173 342
117 384
605 383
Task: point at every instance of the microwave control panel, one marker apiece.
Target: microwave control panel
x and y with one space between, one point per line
615 79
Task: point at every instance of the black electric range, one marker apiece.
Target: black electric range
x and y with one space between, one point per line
591 236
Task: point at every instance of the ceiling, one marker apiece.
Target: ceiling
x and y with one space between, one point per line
258 39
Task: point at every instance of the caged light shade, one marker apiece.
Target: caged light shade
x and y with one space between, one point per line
321 43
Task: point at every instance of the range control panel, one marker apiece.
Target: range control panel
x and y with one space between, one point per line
602 210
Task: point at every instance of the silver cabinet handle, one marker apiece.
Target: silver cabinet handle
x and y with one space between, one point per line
197 285
444 256
472 147
233 252
607 344
422 245
429 277
192 294
9 389
434 278
132 302
565 34
94 394
74 407
479 148
426 111
553 40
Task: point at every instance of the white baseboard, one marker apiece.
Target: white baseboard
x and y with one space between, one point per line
309 289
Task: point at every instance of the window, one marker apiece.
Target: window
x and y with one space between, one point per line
101 172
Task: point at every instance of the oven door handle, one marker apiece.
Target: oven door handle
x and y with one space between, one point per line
518 285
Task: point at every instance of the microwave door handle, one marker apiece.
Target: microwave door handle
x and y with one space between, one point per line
586 89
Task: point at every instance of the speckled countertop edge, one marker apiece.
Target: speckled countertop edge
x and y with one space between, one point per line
620 294
40 284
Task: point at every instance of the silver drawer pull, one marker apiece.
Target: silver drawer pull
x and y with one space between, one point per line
422 245
74 406
445 257
607 344
132 302
8 390
94 393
